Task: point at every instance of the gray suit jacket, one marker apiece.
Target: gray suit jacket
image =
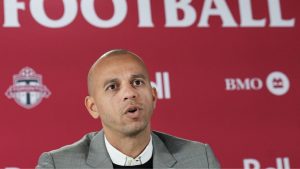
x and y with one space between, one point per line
168 152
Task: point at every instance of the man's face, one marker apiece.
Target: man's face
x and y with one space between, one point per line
122 95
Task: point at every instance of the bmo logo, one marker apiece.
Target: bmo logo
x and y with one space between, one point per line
277 83
243 84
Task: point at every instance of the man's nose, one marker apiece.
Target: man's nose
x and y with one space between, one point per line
129 92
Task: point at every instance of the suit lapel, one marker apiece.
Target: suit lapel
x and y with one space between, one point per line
162 158
98 156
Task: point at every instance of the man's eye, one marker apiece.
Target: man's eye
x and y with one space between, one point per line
111 87
137 83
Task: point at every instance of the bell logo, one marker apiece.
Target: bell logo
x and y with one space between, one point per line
281 163
278 83
162 85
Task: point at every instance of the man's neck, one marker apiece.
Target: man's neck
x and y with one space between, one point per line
131 146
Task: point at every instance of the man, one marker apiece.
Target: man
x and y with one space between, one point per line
120 94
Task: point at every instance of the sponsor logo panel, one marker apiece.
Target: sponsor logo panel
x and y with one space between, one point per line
280 163
276 82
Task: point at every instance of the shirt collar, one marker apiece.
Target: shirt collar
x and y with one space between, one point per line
121 159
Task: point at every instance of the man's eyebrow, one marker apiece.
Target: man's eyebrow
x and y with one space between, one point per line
110 81
139 76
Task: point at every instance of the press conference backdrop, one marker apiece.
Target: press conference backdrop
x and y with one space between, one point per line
226 71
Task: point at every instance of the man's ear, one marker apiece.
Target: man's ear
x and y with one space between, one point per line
91 107
154 96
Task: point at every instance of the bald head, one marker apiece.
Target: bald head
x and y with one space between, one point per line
117 56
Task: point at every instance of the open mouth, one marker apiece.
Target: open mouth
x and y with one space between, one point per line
132 110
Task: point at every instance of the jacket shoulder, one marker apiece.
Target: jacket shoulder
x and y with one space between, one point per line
80 146
187 151
68 155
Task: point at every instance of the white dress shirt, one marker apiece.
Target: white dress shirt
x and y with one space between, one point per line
121 159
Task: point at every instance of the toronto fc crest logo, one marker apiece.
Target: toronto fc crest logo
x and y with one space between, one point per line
27 89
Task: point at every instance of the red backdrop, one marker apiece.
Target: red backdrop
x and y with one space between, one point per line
213 79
